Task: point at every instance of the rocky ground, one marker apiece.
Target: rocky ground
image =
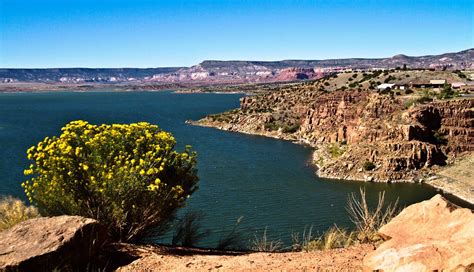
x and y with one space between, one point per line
456 179
344 259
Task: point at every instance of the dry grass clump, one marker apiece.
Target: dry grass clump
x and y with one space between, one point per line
14 211
368 221
335 237
263 244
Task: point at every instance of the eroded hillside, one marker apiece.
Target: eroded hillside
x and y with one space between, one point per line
359 132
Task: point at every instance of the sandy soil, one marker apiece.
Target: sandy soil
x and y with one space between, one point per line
155 259
457 179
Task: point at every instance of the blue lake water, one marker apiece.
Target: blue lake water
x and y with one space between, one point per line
269 182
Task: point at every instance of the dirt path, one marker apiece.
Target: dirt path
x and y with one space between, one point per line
348 259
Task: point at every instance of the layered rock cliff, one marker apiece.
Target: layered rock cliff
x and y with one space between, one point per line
358 134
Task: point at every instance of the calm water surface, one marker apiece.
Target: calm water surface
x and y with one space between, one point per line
267 181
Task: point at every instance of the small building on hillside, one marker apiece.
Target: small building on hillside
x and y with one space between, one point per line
385 86
437 82
391 86
457 85
433 83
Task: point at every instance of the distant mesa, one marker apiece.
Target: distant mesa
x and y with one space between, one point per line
235 71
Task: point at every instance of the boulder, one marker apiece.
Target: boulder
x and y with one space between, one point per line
48 243
427 236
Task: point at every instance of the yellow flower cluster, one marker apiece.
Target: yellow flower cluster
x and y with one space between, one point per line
121 165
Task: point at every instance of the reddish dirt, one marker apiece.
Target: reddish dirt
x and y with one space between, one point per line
156 259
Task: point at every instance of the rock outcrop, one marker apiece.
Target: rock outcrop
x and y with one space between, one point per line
350 128
47 243
296 73
433 235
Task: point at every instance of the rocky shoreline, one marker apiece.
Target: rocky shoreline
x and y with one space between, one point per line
464 191
361 134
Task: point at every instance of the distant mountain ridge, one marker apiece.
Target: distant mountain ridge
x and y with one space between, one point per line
81 74
215 71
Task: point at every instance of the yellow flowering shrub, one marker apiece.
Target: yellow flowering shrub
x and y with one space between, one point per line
129 177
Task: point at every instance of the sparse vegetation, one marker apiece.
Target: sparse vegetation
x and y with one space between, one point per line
332 238
272 126
292 128
460 74
368 166
425 98
336 150
14 211
447 93
264 244
368 221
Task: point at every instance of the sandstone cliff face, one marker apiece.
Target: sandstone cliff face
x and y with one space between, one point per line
398 141
353 128
296 73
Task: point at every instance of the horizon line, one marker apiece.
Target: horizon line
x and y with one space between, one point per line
235 60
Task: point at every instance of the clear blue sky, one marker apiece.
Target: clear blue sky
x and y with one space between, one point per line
146 33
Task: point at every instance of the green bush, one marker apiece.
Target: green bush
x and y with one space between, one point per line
14 211
292 128
447 93
336 150
128 177
272 126
368 166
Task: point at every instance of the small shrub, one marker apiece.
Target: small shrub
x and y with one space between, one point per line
272 126
303 243
128 177
447 93
332 238
387 90
368 166
292 128
368 221
336 238
14 211
262 244
336 150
